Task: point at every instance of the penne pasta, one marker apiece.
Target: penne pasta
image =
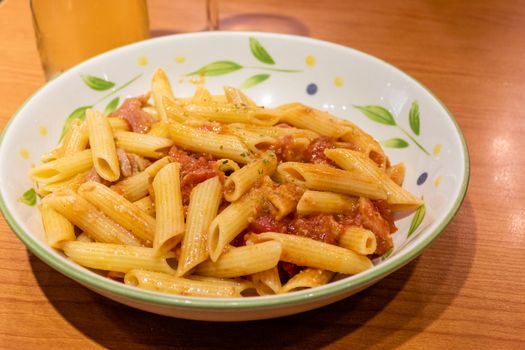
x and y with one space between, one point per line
326 178
240 195
118 124
326 202
237 97
76 139
116 257
145 145
232 220
240 181
204 202
120 210
307 278
227 113
89 219
103 149
58 229
62 168
304 251
136 187
243 261
396 196
201 96
227 165
358 239
160 88
267 282
147 205
218 145
168 207
166 283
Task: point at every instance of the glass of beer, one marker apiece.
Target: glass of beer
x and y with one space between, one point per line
71 31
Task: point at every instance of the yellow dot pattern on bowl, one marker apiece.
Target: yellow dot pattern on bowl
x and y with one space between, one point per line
437 149
180 59
42 131
310 60
338 81
24 153
437 182
142 61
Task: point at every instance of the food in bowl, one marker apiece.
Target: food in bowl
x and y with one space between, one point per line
247 200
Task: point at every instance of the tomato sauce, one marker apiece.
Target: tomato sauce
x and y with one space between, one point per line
195 169
315 151
131 111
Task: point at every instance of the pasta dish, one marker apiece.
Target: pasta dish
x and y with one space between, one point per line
215 196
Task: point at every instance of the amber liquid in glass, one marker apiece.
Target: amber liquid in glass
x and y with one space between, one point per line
71 31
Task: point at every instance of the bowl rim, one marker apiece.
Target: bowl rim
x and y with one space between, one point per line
93 280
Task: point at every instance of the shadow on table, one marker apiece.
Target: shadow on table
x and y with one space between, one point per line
384 315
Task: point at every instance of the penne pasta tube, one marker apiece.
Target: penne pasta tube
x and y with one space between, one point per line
237 97
307 278
205 199
160 130
58 229
201 96
71 183
267 282
243 261
358 239
175 112
326 202
241 285
305 117
62 168
103 149
145 145
277 131
363 142
218 145
231 221
116 257
240 181
396 196
227 113
168 207
118 124
84 238
152 111
76 139
166 283
147 205
304 251
120 210
160 88
255 142
89 219
136 187
227 165
326 178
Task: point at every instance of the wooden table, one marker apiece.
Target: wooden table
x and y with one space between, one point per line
467 290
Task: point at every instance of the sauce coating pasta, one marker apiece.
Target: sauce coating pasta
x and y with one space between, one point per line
238 199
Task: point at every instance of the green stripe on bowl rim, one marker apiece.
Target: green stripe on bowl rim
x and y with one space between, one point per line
89 278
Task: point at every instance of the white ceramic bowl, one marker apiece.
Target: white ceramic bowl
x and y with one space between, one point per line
317 73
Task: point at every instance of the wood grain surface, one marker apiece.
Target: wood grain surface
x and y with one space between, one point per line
466 291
